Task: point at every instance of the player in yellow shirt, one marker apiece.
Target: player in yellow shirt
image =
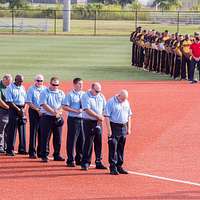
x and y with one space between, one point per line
185 48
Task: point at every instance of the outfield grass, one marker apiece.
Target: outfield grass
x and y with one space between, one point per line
92 58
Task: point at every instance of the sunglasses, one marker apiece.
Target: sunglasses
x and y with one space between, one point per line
54 84
97 91
39 81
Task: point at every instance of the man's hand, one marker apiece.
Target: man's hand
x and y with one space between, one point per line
79 111
100 118
109 133
128 132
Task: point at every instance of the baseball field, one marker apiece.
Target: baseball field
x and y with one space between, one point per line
162 153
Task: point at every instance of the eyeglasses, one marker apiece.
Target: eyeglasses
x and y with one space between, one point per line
54 84
97 91
39 80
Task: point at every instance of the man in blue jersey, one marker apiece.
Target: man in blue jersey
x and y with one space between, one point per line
51 120
15 98
33 97
4 83
118 120
93 104
75 136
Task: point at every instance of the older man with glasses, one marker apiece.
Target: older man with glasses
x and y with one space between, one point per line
118 120
51 120
4 83
15 98
33 97
93 104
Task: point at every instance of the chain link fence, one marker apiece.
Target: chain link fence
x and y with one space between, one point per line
95 22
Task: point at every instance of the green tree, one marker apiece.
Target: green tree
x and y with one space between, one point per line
167 4
15 3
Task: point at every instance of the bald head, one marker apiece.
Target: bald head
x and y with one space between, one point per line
95 88
7 79
39 79
122 95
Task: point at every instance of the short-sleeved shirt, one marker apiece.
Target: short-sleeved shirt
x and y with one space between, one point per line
2 91
195 47
73 100
33 95
95 103
16 94
118 112
186 46
53 99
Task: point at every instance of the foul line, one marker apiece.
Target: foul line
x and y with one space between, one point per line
164 178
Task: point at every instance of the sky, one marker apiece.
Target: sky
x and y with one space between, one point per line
145 1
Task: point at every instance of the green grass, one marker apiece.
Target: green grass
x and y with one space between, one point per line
92 58
86 27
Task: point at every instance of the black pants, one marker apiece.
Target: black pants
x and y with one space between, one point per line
186 66
93 134
141 57
177 69
116 144
35 132
15 122
47 125
133 54
3 124
163 61
75 139
193 64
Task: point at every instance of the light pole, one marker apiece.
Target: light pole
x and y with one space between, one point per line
66 15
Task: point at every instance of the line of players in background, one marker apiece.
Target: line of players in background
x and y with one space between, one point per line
172 54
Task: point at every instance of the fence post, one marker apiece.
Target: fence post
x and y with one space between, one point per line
95 23
13 22
136 18
55 21
178 21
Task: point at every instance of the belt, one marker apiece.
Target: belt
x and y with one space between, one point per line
118 124
20 106
78 118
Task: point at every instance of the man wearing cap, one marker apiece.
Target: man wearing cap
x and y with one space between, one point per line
15 98
51 99
93 105
195 58
75 136
4 83
33 96
118 120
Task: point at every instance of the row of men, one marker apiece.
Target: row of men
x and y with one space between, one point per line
86 113
173 54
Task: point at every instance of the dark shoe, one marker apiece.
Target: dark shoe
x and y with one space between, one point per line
114 172
71 164
78 163
32 156
45 159
100 166
22 152
39 156
58 158
85 167
121 170
194 81
10 153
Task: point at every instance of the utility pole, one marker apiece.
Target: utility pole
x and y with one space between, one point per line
66 15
